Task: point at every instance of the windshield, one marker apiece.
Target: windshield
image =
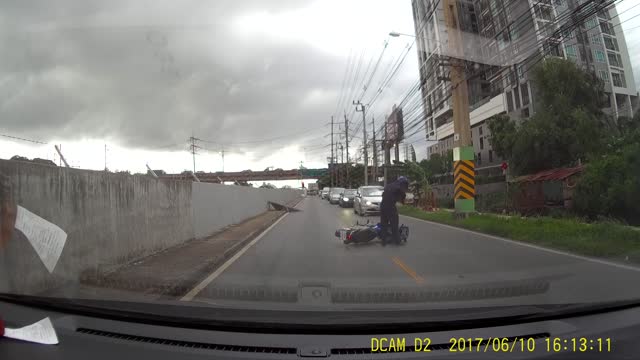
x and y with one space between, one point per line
372 191
171 151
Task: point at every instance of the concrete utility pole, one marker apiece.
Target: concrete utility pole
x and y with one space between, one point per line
463 153
346 137
105 157
222 153
194 147
360 107
61 156
387 154
375 152
153 173
331 171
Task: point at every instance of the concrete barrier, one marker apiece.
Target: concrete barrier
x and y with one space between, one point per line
111 219
216 206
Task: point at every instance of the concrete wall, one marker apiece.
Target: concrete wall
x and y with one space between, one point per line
108 218
446 191
111 219
216 206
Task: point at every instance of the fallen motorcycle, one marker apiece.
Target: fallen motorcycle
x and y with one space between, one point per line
364 233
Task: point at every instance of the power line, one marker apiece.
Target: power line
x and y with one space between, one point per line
23 139
265 140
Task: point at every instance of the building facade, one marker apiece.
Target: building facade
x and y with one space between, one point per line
502 41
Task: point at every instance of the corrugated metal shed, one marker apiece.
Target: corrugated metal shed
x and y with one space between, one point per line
550 175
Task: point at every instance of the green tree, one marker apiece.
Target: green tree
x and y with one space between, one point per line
503 131
418 176
567 127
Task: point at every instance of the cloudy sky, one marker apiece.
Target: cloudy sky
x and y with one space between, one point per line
259 79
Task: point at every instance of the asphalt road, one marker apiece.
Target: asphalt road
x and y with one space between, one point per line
301 250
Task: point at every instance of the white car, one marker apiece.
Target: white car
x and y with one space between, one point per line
367 200
334 195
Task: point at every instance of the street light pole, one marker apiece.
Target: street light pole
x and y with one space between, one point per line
360 107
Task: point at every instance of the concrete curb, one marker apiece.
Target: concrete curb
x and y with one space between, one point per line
187 284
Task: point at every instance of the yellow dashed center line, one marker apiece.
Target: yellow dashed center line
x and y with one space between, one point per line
408 270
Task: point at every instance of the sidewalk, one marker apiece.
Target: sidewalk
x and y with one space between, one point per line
174 271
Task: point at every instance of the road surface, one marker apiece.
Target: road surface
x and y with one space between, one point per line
301 250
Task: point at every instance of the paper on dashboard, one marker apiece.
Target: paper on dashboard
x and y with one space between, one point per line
41 332
46 238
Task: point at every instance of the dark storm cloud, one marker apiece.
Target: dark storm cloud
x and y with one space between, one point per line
148 74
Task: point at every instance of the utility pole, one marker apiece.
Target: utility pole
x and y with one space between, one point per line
463 153
193 147
375 152
331 171
387 154
360 107
222 153
105 157
346 136
58 149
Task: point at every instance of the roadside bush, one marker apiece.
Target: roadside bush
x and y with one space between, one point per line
610 185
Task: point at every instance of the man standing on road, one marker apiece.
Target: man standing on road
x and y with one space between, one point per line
393 193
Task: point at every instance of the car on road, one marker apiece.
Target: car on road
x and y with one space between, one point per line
312 189
324 193
334 195
367 200
346 198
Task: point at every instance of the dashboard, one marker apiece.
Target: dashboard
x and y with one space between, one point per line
609 335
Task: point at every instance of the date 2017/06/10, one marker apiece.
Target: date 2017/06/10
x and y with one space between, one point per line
493 344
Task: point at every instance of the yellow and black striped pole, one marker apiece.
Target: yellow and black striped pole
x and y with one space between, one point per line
464 179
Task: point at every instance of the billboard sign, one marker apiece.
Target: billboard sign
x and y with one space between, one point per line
395 126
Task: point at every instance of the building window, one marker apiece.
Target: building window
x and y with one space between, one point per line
603 75
571 51
524 89
525 112
520 72
543 12
591 23
490 156
480 130
595 39
611 43
479 158
606 28
618 79
481 143
614 59
599 55
509 101
604 14
516 97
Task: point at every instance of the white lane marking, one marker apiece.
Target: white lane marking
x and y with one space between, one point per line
557 252
194 292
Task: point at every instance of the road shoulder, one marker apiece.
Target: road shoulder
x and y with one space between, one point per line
174 271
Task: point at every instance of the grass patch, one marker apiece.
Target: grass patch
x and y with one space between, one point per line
605 239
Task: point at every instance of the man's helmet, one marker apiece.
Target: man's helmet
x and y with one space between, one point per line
402 180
